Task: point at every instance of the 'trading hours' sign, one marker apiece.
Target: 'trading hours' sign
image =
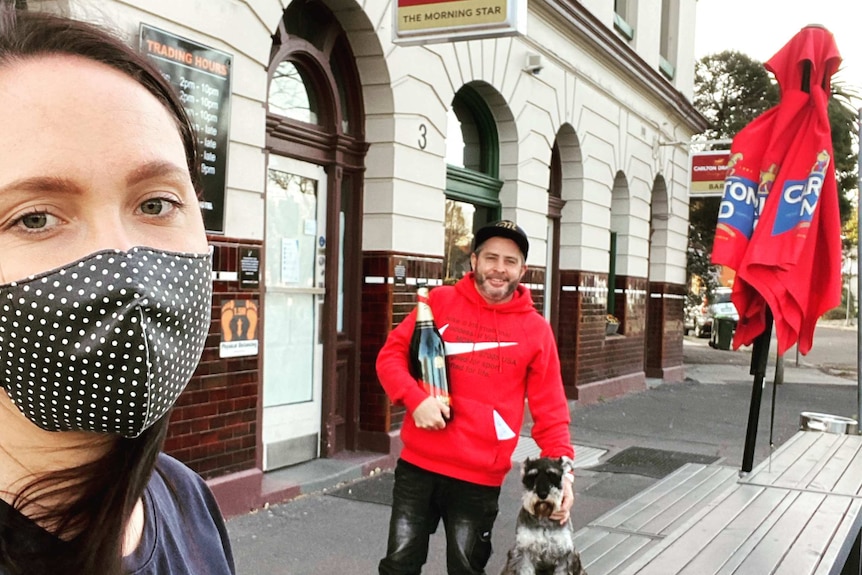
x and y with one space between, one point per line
201 76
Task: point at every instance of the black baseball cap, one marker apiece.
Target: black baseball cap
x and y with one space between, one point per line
503 229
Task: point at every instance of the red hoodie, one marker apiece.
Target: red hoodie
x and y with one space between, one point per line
497 355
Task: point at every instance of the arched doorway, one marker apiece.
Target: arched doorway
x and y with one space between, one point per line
316 150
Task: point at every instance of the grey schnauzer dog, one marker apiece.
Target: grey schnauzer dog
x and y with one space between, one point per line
542 545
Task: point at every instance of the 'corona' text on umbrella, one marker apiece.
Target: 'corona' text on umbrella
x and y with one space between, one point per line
741 205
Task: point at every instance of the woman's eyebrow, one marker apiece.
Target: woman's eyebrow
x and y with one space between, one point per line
60 185
41 184
157 169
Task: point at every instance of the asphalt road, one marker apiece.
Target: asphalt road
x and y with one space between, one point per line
834 352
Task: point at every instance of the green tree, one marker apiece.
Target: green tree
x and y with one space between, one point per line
731 89
850 232
703 214
842 119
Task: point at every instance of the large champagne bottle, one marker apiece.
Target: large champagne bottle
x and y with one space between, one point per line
427 354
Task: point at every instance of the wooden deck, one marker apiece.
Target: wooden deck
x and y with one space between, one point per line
799 513
614 540
814 462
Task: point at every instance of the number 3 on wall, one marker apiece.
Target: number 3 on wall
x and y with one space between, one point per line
423 136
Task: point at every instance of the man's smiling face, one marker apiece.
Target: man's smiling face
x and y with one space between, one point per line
499 266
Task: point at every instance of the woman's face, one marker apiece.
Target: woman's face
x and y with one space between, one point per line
89 160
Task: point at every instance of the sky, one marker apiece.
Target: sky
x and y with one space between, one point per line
759 28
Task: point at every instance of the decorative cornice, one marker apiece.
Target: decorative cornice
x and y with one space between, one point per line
582 23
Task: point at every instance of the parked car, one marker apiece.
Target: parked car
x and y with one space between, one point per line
698 317
721 305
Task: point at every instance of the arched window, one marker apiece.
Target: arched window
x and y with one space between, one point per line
291 95
315 80
472 184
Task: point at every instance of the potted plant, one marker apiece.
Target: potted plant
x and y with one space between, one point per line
612 324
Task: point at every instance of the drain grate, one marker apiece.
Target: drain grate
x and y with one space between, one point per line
650 462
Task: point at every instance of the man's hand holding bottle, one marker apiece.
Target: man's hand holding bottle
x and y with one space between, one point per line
431 414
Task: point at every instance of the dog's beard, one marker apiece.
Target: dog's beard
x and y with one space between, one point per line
534 505
543 509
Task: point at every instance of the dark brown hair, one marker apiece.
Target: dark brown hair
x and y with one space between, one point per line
99 496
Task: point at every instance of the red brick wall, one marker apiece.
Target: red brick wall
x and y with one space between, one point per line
664 353
384 305
591 353
214 424
568 333
536 276
587 354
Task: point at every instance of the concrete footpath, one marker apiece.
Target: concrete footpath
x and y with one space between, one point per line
339 526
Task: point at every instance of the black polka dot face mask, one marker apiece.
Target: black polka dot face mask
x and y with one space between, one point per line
107 343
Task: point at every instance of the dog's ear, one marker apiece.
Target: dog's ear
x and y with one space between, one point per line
524 466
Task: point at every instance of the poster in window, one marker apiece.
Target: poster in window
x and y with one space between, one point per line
239 321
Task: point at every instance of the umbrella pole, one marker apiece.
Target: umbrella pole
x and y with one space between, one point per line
759 359
858 293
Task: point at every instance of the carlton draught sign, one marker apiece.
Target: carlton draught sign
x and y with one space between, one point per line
429 21
708 170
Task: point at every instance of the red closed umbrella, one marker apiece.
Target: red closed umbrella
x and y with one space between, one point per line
779 225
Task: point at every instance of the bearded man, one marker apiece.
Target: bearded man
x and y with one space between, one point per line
499 351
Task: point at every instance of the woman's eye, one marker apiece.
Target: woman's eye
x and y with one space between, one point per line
35 221
157 206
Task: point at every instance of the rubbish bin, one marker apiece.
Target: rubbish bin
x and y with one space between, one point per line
722 332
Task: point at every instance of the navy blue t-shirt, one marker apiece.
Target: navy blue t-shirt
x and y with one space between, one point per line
184 533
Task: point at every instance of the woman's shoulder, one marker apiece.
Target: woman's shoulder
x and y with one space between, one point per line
178 473
185 531
174 486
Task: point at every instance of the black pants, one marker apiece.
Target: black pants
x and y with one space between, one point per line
420 500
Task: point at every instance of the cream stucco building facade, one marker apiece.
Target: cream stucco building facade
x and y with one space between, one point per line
356 167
